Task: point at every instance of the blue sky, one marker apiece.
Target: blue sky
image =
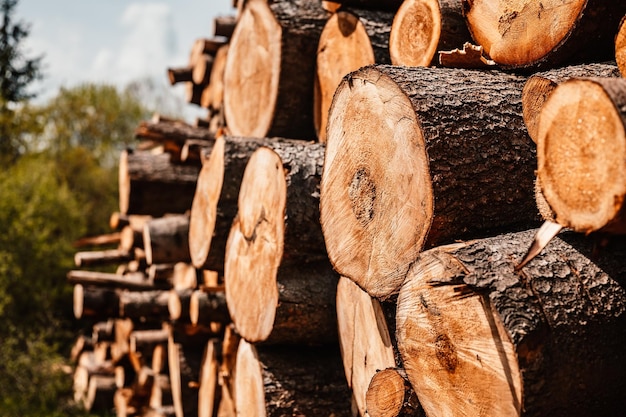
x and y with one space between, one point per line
114 41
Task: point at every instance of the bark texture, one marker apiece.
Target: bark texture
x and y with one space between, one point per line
417 157
479 337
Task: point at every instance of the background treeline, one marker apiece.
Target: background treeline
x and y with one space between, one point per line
58 182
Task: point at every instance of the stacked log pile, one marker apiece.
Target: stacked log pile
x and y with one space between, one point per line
347 239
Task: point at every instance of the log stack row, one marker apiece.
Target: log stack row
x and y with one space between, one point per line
356 237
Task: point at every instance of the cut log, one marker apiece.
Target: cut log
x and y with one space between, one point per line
417 157
281 381
146 340
153 185
423 27
350 40
144 306
120 348
90 301
173 130
531 34
180 75
201 74
103 331
330 6
204 46
363 338
166 239
118 221
581 146
215 203
385 5
100 240
100 393
101 257
479 338
83 343
268 80
178 304
134 281
208 392
207 306
620 47
540 85
184 365
224 26
264 226
193 93
230 346
131 238
390 394
213 95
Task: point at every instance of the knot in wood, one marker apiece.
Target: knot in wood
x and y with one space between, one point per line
362 194
446 353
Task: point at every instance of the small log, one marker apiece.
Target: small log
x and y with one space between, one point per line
153 185
83 343
390 394
208 392
146 340
582 177
204 46
131 238
118 221
350 39
180 75
161 395
144 305
213 96
383 5
279 381
423 27
177 131
417 157
330 6
184 365
178 304
101 257
166 239
224 26
131 281
100 303
100 240
620 47
277 226
531 34
268 79
201 74
103 331
363 338
541 84
100 393
120 348
193 93
161 272
480 338
207 306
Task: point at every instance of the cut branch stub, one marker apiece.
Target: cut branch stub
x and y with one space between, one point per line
581 154
529 33
423 27
479 338
418 157
268 80
349 41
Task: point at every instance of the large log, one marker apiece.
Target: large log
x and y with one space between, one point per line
363 338
417 157
275 238
278 381
215 202
351 39
153 185
166 239
581 148
540 85
480 338
423 27
532 34
268 80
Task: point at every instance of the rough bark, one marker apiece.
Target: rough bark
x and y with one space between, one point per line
215 202
480 338
417 157
153 185
279 381
581 148
390 394
423 27
541 84
268 80
363 338
166 239
351 39
532 35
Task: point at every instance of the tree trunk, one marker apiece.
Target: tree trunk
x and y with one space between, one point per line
279 381
166 240
351 39
363 338
423 27
215 202
152 184
530 34
390 394
581 154
480 338
101 257
540 85
268 80
417 157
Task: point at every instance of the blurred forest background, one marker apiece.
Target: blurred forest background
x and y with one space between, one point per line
58 183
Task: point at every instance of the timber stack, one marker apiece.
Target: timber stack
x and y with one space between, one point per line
350 233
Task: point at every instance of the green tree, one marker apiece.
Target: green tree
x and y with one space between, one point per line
17 72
